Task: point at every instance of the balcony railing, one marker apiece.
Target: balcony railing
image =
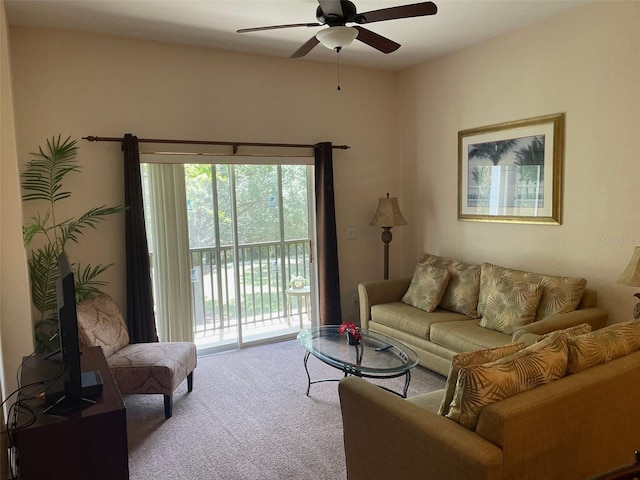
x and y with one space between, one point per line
252 290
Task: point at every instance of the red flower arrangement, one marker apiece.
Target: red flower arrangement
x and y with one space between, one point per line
350 329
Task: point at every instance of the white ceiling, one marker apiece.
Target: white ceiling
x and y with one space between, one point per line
213 23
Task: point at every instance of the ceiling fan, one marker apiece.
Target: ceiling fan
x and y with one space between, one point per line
337 13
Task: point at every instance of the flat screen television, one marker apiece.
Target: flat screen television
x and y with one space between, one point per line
68 393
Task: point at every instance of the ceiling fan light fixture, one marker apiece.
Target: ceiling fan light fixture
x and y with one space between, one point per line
336 38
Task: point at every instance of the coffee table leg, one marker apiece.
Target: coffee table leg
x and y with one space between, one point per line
407 379
306 358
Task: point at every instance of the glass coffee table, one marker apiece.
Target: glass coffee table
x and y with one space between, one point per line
377 356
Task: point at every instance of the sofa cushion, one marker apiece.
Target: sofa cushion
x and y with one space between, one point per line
604 345
559 294
427 287
511 305
100 324
567 332
465 359
481 385
461 294
405 318
466 336
429 401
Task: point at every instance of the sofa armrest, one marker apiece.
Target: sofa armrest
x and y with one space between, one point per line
574 427
594 316
377 292
386 436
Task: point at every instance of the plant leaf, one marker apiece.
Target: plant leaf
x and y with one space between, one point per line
72 228
86 284
42 177
43 269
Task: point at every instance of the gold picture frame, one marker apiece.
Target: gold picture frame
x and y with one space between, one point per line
512 172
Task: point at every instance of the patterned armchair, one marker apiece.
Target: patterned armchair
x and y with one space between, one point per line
138 368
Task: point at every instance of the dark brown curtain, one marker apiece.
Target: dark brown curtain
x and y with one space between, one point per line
327 261
141 320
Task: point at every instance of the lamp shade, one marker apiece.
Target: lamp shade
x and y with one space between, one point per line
337 37
631 274
388 213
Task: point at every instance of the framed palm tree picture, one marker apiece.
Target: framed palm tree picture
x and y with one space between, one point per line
512 172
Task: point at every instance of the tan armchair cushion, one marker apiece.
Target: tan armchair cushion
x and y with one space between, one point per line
100 324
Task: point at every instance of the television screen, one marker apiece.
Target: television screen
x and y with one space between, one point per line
66 394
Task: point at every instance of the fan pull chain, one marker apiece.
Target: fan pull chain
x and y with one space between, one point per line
338 64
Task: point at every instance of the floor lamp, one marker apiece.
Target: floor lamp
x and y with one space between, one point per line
387 216
631 277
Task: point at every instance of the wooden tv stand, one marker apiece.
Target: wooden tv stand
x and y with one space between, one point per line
88 444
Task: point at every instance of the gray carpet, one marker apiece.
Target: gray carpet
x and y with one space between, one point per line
248 418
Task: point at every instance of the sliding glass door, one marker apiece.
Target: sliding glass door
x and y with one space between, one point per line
250 249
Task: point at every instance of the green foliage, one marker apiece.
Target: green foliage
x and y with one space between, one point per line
42 181
258 209
493 151
531 155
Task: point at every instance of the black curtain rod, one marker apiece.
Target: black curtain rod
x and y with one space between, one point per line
235 145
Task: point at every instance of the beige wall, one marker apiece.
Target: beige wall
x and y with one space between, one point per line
585 63
402 129
15 330
79 85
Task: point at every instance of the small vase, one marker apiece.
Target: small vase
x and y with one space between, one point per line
352 339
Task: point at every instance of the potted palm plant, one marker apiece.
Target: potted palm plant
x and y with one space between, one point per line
42 181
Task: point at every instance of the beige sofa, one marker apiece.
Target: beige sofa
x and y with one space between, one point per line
456 325
573 427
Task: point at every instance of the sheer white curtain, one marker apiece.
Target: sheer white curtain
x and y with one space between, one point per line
170 245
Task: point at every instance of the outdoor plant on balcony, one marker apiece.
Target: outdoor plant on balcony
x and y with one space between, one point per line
42 181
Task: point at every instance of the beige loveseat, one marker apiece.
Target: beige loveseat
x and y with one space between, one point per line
569 428
467 313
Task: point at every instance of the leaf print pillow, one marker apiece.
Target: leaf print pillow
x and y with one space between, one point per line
513 307
604 345
477 357
461 294
482 385
427 287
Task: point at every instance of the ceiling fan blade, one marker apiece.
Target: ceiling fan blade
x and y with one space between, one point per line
376 41
403 11
331 7
275 27
306 48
